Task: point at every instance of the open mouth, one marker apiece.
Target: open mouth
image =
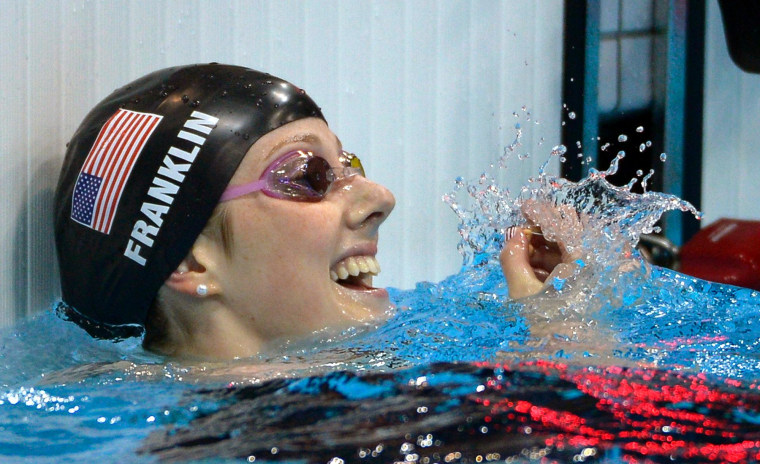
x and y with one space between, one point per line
355 272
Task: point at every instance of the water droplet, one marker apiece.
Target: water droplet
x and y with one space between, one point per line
663 157
195 104
185 99
605 147
642 147
645 180
640 129
621 154
559 150
622 138
578 143
649 143
639 173
571 115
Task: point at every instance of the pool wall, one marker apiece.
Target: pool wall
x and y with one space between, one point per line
424 91
731 139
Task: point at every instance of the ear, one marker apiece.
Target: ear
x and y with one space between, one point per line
196 270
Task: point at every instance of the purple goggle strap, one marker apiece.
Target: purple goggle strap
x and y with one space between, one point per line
244 189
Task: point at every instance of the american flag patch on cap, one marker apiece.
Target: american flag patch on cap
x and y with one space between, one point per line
108 165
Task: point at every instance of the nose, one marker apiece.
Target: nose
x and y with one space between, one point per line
369 204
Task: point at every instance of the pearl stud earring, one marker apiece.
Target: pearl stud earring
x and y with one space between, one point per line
202 290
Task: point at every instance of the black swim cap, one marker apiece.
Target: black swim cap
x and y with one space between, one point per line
142 176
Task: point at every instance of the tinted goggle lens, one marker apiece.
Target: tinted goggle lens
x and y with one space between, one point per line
302 177
299 176
349 160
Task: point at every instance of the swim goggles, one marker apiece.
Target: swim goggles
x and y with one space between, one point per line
299 176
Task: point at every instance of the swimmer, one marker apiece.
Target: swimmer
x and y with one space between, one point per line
212 208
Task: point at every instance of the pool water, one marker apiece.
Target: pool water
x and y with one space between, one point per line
619 362
440 382
542 411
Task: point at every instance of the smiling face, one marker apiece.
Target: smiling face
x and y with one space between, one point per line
296 267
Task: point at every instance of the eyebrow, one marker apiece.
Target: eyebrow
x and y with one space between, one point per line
306 137
310 138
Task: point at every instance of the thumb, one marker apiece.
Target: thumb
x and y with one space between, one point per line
515 263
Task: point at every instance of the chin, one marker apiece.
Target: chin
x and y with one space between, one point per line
364 304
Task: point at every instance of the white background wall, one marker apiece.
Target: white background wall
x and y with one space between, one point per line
731 136
423 90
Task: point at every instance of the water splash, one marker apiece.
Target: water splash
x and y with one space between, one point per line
611 216
598 224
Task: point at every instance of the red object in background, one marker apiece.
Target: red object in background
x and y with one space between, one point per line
726 251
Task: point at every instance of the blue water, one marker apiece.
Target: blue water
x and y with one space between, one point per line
65 397
68 397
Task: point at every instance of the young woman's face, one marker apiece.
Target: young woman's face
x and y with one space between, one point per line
285 255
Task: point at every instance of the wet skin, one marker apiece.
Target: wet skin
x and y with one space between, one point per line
294 268
279 272
275 282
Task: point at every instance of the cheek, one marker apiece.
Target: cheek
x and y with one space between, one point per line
285 234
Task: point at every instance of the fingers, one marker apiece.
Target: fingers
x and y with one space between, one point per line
529 259
515 263
565 223
544 256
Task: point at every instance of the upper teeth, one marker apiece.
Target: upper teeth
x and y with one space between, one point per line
354 266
